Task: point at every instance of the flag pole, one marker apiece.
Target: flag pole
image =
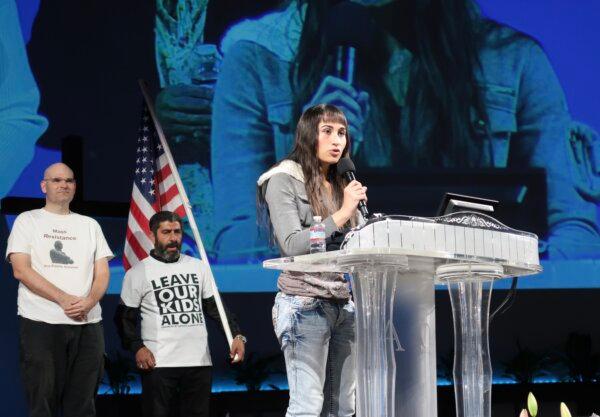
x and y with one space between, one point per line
188 209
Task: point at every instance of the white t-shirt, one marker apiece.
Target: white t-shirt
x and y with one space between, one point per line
63 249
169 296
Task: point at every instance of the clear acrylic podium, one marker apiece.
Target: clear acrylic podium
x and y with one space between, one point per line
394 263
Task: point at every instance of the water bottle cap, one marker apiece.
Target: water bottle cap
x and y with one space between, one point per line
317 219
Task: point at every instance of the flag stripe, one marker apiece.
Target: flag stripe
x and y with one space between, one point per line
126 263
135 246
162 162
169 195
134 226
166 184
129 258
141 221
173 205
180 211
142 203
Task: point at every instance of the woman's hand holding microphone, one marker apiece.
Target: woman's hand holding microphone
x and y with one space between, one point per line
354 192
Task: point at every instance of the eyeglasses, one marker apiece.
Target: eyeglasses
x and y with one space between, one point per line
68 181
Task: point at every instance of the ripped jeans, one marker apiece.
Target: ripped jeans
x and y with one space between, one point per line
317 339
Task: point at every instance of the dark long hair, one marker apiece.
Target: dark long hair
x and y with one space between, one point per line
443 100
304 153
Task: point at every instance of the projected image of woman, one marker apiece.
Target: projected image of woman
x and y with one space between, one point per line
313 314
20 124
436 85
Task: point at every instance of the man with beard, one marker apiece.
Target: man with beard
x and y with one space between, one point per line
172 293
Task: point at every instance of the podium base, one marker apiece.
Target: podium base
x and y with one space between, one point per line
395 339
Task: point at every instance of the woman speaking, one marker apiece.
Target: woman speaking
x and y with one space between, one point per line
313 314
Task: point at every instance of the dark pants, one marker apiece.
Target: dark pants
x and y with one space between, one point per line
61 367
190 385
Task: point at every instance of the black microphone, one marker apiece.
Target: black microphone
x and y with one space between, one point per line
346 168
344 63
348 29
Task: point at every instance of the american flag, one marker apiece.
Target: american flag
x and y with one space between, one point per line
154 189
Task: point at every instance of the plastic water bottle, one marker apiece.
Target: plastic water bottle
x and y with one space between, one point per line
317 235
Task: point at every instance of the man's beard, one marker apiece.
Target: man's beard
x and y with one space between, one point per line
163 253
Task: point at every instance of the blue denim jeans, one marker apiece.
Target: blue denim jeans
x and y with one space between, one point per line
317 340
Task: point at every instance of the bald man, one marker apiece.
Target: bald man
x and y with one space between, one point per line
61 261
